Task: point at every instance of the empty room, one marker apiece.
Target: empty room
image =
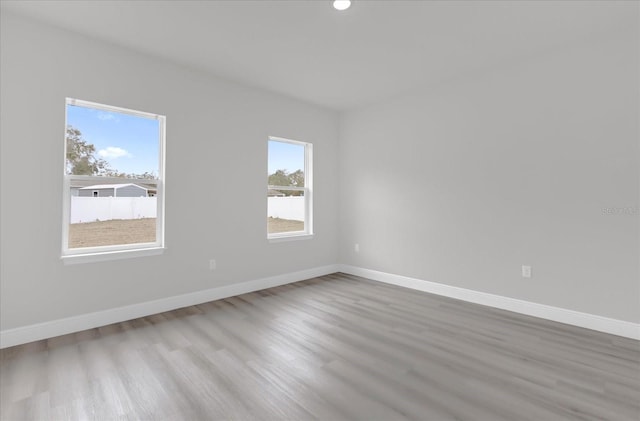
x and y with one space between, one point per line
336 210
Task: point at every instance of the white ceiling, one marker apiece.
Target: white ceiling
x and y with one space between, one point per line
340 60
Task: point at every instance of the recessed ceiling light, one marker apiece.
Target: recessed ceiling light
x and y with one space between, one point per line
341 4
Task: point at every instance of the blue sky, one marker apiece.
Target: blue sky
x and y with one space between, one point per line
285 156
128 143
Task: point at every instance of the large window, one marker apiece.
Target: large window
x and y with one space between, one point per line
289 189
114 181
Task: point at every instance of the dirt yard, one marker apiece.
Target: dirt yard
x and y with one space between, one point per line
108 233
283 225
131 231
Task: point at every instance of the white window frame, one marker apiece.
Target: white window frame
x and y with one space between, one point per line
101 253
307 233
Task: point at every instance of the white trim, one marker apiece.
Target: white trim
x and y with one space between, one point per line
110 250
162 177
307 189
285 140
73 259
557 314
290 236
288 188
30 333
111 108
308 185
25 334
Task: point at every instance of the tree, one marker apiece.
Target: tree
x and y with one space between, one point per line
144 176
297 178
279 178
283 178
80 156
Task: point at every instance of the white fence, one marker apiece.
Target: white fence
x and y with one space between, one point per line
91 209
291 207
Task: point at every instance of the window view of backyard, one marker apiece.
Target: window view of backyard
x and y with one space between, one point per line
287 187
112 170
112 232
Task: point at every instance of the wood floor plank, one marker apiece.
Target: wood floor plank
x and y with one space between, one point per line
337 347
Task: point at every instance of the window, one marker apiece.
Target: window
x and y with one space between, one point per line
113 199
289 189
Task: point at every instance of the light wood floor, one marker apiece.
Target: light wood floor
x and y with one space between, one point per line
336 347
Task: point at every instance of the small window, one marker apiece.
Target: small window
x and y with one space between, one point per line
114 180
289 189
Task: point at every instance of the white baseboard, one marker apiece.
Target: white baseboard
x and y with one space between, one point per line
25 334
571 317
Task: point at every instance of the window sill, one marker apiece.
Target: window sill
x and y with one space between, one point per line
111 255
292 237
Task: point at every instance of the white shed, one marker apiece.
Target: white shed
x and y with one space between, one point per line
113 190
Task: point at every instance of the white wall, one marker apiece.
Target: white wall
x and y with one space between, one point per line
216 164
465 183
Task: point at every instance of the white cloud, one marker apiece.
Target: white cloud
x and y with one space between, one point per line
113 152
107 116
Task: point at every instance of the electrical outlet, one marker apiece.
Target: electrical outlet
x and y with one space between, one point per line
526 271
356 248
212 264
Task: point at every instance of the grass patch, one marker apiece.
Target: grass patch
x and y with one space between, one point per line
283 225
114 232
132 231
